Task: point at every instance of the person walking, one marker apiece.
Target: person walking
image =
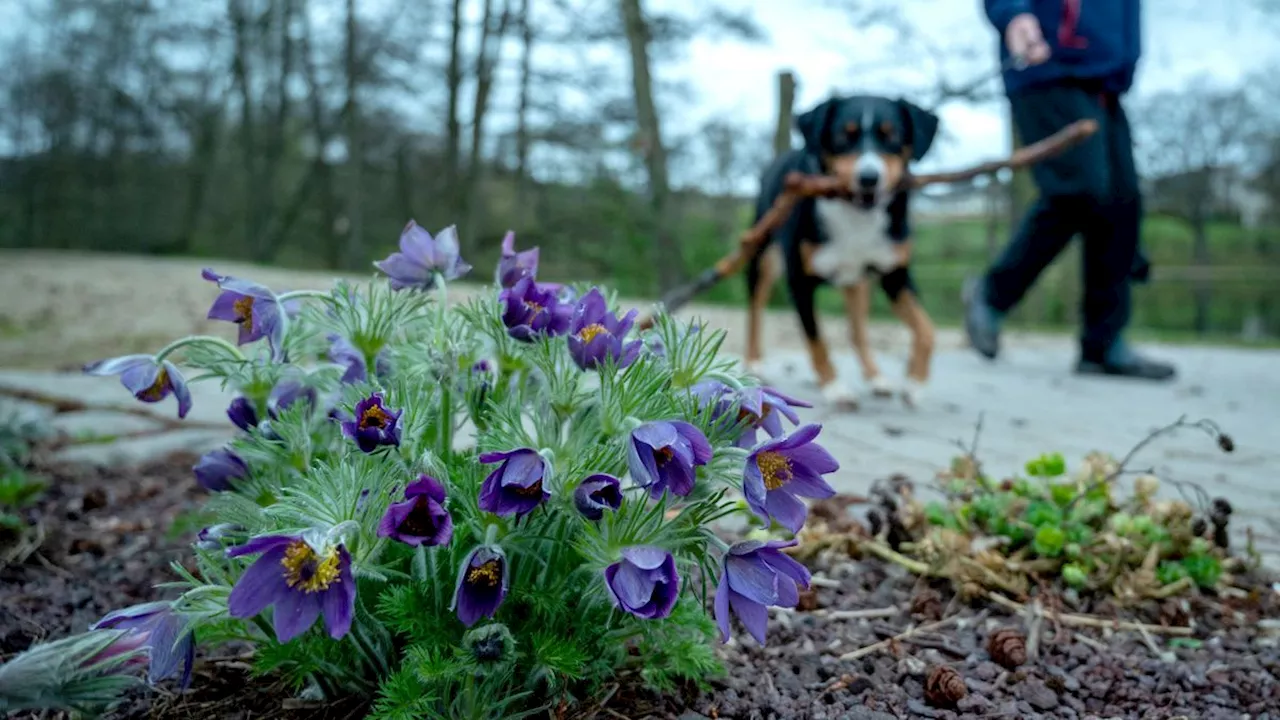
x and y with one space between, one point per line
1075 59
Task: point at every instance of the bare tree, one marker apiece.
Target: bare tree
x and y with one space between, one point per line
1192 145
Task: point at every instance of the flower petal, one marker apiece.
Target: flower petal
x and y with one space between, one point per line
632 586
340 599
118 365
786 509
261 544
754 616
697 441
261 584
722 607
752 578
295 613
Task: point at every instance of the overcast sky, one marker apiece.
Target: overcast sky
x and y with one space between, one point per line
1183 40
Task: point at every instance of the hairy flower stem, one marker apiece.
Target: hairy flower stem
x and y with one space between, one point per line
296 294
169 349
444 433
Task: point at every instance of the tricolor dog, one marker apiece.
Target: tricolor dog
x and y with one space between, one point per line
867 142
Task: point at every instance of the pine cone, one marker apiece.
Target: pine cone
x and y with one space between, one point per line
944 687
1007 647
927 604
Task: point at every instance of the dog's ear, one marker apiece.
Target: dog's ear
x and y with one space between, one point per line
813 124
922 127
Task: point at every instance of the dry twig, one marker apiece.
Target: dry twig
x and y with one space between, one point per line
1074 620
868 614
876 647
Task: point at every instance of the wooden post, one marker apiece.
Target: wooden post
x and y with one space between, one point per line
786 98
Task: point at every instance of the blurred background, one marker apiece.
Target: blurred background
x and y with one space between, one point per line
624 137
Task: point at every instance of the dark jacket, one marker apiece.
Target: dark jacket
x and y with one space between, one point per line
1097 41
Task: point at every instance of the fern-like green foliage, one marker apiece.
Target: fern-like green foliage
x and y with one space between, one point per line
462 380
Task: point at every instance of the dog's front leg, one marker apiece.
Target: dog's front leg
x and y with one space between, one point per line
908 308
762 273
857 306
803 288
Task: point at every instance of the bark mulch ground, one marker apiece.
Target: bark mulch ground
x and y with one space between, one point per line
110 535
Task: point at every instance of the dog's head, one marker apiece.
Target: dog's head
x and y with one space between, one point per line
867 141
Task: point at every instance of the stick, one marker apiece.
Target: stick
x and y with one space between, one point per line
876 647
797 186
1090 621
870 613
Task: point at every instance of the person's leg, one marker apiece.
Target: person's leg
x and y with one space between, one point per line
1111 254
1069 186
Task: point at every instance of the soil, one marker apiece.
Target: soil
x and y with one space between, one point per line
110 534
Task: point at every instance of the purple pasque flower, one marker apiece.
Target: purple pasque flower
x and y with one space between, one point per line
422 258
301 581
481 379
663 455
212 537
217 468
482 584
644 582
754 576
529 310
515 266
374 424
782 470
516 486
242 412
761 408
342 352
286 393
148 380
596 334
421 518
156 628
253 307
596 494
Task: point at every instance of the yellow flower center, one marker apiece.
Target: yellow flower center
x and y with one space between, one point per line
244 309
374 417
775 468
157 388
663 455
588 333
488 574
534 307
305 570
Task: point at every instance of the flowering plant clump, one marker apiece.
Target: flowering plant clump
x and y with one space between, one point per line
479 508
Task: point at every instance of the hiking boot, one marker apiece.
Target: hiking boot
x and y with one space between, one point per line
1121 361
981 321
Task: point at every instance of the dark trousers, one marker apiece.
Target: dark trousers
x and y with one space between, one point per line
1090 190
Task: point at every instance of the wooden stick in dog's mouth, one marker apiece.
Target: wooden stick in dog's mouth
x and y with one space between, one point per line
799 185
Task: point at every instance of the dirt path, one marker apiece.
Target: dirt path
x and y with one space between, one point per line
62 309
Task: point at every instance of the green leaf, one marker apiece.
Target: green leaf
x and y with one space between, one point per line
1040 513
1063 493
1049 541
1204 570
1075 575
1168 572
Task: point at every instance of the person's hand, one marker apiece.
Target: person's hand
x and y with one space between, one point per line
902 254
1025 40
